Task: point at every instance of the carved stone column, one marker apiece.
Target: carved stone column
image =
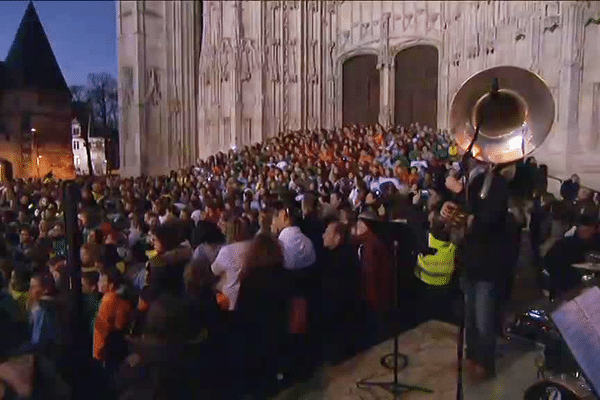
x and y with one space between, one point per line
132 123
570 78
444 69
386 74
238 48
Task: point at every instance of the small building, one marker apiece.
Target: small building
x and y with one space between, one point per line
35 107
103 143
80 154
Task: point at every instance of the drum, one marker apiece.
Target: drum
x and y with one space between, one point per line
536 326
561 387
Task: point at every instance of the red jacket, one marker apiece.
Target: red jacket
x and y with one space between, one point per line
377 287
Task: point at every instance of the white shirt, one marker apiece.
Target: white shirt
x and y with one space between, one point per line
376 184
227 266
196 216
134 236
298 250
419 164
571 232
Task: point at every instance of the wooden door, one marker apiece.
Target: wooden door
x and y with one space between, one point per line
416 86
360 82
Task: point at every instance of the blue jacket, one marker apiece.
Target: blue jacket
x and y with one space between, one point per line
44 323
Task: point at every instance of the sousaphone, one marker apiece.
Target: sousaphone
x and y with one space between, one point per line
502 114
499 116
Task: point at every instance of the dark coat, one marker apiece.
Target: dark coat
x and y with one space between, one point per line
167 371
490 238
340 280
562 255
340 302
258 336
166 271
569 190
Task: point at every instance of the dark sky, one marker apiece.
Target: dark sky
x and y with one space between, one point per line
82 34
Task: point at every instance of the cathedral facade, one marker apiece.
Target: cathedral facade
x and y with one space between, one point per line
201 77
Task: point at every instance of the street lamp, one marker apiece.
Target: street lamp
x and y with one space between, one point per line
37 151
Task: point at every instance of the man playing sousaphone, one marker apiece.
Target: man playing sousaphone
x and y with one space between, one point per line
498 116
486 260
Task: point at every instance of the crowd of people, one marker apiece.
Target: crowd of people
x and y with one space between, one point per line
244 272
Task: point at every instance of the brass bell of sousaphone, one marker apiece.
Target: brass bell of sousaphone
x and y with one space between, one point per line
501 115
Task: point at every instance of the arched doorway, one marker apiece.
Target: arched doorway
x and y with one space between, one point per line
416 86
6 172
360 83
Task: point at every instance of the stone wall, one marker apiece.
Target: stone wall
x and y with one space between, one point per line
551 39
49 147
275 66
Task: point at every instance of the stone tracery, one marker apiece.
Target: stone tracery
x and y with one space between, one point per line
285 65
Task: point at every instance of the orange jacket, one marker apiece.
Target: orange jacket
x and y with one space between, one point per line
365 159
223 301
113 316
326 156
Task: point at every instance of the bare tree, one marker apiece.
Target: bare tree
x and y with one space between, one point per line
102 94
85 108
79 93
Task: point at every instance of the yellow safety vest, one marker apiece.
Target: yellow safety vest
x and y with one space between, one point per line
437 269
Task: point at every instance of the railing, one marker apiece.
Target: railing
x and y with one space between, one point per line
580 185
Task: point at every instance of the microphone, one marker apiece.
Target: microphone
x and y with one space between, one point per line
487 184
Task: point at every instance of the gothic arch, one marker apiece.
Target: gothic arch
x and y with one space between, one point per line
417 83
339 78
360 89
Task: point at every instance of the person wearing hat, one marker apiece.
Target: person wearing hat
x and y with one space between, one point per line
376 278
568 251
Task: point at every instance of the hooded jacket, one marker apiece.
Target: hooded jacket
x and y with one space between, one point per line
166 270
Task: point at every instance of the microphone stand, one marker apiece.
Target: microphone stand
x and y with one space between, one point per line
461 331
394 387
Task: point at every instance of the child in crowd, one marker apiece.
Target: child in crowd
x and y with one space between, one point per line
111 320
18 288
43 309
91 297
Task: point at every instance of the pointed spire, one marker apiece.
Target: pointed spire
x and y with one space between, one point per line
31 58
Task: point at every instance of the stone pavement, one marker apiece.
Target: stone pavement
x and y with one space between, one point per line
431 348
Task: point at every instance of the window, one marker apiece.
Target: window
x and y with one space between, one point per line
76 130
77 160
75 144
